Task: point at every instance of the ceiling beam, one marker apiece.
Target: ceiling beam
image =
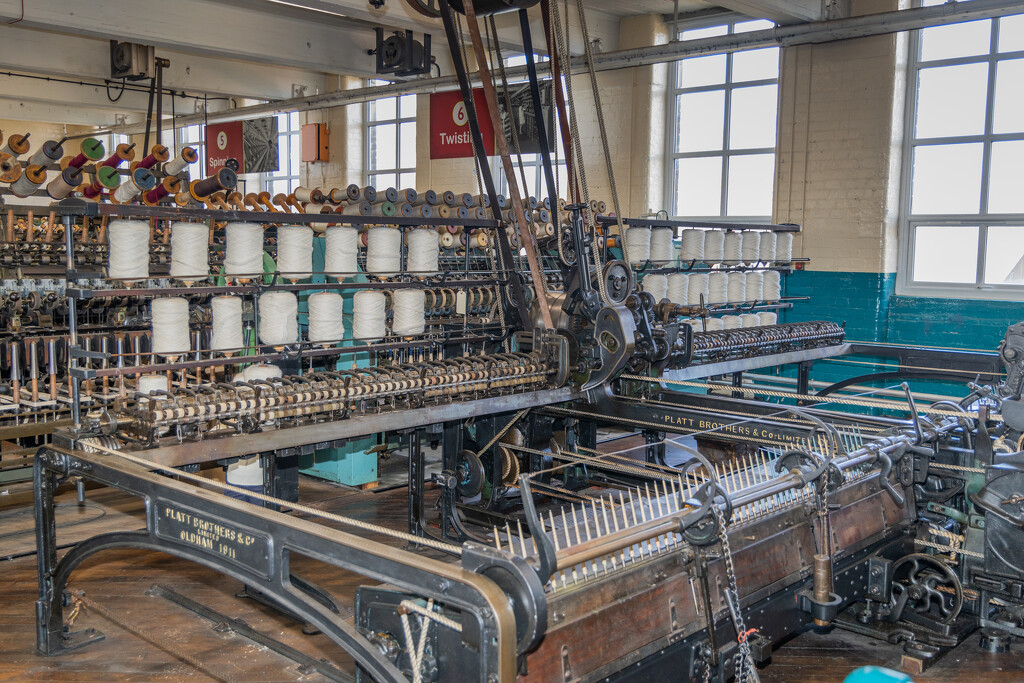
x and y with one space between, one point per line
813 33
89 59
779 11
206 27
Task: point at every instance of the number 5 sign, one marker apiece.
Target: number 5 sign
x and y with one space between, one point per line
449 129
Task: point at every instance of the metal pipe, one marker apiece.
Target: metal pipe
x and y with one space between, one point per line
782 36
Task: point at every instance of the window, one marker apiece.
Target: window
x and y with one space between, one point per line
289 147
722 130
194 136
533 167
391 141
962 207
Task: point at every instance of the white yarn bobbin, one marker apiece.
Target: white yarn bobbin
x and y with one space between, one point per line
766 251
153 382
423 252
170 326
128 250
772 285
294 251
678 286
697 286
259 371
383 251
732 246
768 318
737 287
693 245
341 251
638 244
326 317
243 251
754 285
731 322
784 247
714 246
750 246
714 324
749 320
190 251
718 288
368 313
227 324
656 285
279 318
662 246
409 310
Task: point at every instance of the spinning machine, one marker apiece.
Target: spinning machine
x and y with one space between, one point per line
733 506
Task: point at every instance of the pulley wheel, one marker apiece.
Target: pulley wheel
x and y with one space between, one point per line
618 281
469 474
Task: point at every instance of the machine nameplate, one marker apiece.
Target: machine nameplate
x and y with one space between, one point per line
221 538
708 424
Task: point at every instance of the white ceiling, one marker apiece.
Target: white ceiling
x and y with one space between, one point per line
621 8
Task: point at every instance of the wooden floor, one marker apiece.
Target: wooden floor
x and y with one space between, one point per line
118 583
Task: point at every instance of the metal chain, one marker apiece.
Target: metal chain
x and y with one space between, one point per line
745 669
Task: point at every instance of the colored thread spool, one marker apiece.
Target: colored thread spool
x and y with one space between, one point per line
352 192
107 178
92 150
188 155
49 154
64 184
16 145
29 182
223 179
140 180
158 155
122 153
169 185
390 195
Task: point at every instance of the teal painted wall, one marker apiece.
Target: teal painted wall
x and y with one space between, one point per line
868 305
867 302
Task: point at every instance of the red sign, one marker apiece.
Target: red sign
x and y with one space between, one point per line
223 141
449 125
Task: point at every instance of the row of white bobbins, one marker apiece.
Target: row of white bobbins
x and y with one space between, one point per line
732 322
244 248
279 319
718 287
709 246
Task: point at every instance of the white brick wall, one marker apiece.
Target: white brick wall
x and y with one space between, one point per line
838 163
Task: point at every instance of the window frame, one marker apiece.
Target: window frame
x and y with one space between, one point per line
673 91
292 175
982 219
398 170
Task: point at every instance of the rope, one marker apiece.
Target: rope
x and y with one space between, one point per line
949 549
863 402
518 416
577 147
956 468
416 655
435 616
365 526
